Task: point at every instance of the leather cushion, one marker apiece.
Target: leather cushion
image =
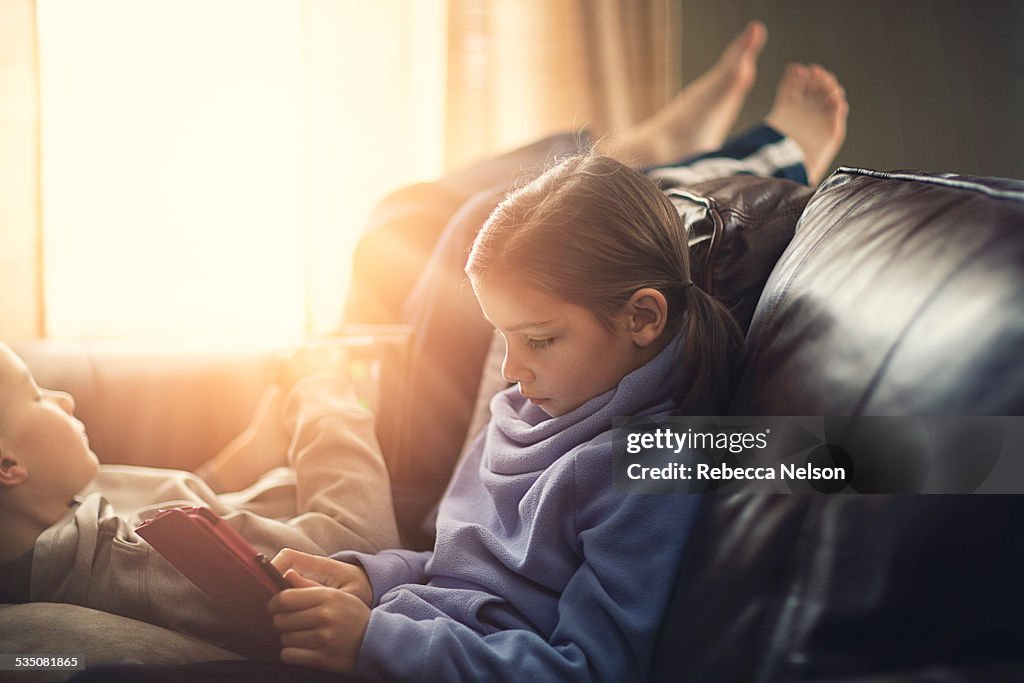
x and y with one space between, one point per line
738 227
802 587
901 294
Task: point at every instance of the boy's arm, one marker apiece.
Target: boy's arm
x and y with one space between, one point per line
263 445
340 471
254 451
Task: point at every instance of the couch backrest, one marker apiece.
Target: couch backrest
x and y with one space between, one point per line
901 294
738 227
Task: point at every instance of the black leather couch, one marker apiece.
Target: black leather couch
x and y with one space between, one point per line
900 294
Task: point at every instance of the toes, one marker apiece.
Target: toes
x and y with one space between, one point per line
793 81
837 104
754 36
748 43
795 74
823 85
819 85
837 96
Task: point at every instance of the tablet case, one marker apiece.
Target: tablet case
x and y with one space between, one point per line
213 556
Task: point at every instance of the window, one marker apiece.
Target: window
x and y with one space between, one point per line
207 165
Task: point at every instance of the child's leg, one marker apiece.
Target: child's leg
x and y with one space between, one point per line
700 115
404 227
810 107
798 139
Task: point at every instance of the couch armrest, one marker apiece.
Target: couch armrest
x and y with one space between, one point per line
153 405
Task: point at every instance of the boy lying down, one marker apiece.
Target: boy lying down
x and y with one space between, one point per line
67 530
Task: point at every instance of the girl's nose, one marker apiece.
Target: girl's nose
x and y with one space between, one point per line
513 371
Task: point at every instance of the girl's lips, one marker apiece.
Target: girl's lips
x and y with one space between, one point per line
532 399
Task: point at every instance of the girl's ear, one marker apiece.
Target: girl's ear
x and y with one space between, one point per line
648 315
11 472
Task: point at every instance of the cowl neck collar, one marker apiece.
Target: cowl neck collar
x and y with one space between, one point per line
523 438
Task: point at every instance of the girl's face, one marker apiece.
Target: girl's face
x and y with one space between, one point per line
559 353
40 432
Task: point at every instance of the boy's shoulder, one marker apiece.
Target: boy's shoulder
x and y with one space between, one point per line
89 514
68 554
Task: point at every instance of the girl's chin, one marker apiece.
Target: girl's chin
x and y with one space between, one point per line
547 406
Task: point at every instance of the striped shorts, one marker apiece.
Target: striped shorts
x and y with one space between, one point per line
761 151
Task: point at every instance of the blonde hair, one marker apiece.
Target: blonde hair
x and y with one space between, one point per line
593 231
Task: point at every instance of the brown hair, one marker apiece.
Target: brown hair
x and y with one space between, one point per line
593 231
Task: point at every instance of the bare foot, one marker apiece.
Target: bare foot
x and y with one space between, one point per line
810 107
700 116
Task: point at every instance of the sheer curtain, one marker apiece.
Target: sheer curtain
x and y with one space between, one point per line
203 168
20 266
520 70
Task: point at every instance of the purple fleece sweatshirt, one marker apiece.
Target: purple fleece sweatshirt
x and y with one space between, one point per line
542 570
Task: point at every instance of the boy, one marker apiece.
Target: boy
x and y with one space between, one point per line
67 531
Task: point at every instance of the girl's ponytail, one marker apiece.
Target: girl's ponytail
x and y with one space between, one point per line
711 345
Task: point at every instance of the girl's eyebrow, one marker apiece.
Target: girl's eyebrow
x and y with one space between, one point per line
523 326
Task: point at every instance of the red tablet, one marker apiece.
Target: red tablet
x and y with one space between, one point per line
213 556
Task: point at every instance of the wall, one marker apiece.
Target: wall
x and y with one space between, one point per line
936 85
20 315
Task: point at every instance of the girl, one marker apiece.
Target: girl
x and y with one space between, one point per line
541 569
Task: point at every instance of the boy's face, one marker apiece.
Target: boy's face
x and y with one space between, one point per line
40 435
559 353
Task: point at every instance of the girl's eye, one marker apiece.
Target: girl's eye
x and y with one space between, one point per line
539 344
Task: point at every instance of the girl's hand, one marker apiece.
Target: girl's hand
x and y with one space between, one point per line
321 627
323 571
